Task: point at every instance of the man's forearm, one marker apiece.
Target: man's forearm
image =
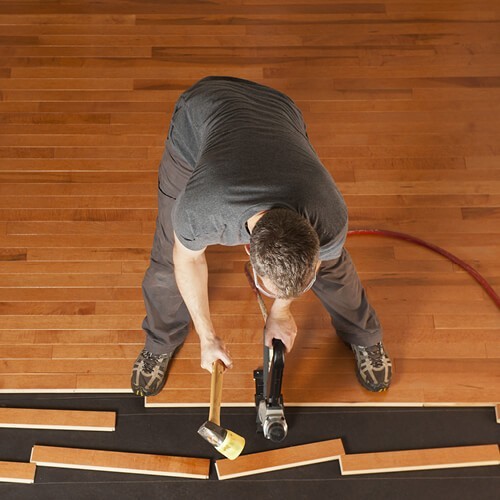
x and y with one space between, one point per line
280 324
281 305
191 276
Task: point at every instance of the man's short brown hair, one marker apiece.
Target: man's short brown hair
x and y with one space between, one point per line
284 248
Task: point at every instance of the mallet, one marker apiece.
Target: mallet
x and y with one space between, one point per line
225 441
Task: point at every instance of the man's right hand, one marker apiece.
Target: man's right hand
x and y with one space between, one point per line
213 349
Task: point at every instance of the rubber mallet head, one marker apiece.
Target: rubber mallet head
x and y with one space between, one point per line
225 441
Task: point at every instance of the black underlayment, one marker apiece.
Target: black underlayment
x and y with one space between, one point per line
173 431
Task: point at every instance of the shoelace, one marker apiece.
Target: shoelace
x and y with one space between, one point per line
150 361
376 356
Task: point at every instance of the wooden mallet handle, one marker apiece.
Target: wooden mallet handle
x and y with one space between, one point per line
216 391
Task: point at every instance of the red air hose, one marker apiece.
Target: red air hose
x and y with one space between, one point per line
406 237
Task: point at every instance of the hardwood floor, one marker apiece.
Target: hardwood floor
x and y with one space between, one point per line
402 103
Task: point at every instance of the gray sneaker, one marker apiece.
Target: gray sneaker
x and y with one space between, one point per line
373 367
149 373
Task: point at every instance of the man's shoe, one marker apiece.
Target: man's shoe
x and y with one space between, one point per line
149 373
373 367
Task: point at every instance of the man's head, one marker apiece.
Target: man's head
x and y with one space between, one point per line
284 250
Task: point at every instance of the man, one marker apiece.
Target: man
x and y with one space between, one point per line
238 168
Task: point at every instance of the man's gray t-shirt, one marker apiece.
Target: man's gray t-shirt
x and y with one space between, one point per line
248 150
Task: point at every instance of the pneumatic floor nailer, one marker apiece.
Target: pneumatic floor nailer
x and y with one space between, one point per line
268 380
268 398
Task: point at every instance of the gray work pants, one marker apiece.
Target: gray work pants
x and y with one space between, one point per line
167 319
340 291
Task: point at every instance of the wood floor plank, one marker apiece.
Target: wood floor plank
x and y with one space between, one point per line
79 280
68 267
239 351
419 306
113 461
36 382
482 389
82 322
132 71
184 381
490 320
493 349
20 352
70 367
127 30
29 418
77 84
80 202
425 459
283 458
343 390
17 472
398 349
65 18
174 398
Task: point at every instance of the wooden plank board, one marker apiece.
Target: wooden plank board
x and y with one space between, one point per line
28 418
432 458
17 472
497 413
283 458
114 461
197 398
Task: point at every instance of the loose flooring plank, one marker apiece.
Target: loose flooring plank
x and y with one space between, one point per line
425 459
29 418
17 472
283 458
114 461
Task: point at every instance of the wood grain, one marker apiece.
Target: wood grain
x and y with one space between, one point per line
113 461
17 472
401 101
283 458
437 458
29 418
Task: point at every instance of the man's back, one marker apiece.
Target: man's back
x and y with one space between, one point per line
217 107
248 150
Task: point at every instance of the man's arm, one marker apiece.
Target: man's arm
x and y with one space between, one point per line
191 275
280 324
